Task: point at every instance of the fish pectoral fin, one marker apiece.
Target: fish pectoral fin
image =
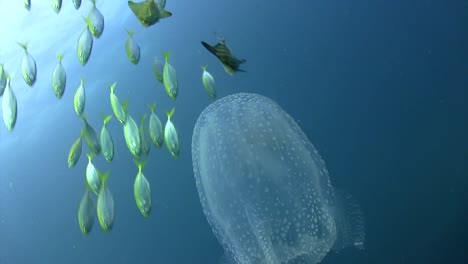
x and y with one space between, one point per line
165 14
209 47
135 7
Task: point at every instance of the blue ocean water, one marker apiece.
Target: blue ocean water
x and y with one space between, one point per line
379 87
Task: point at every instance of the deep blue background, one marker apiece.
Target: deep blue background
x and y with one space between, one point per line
379 87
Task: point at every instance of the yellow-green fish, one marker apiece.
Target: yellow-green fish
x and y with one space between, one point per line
208 83
223 53
28 66
77 4
105 204
2 79
155 128
132 137
59 78
86 213
132 49
142 191
56 4
90 136
144 137
96 21
85 44
79 99
169 77
9 106
92 177
148 12
107 143
27 4
117 108
75 151
171 139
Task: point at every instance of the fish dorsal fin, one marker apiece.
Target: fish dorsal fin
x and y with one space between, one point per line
221 46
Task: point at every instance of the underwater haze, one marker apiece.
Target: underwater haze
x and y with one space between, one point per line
378 87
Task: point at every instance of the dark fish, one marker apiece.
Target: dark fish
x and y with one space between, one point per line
223 53
148 12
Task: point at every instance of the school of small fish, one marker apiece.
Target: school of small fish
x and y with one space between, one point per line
138 137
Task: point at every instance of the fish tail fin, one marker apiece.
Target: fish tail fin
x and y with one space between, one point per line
204 67
23 45
86 20
129 32
82 80
105 119
139 163
112 87
103 176
349 222
169 113
94 2
60 57
90 156
151 107
166 55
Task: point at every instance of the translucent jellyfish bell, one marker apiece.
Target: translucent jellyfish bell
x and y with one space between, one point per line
264 188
